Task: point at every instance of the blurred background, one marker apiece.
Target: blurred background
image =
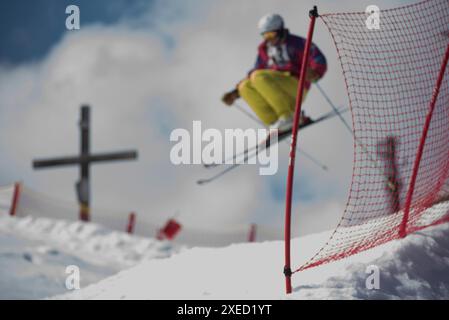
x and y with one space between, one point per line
146 68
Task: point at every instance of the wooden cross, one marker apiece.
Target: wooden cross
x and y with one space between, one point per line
84 160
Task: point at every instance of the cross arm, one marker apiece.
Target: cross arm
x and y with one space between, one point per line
67 161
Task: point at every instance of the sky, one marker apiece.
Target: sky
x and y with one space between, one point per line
147 68
29 29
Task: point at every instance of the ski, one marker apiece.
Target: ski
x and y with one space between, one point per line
281 136
267 144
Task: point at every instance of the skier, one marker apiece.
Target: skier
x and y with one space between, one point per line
271 86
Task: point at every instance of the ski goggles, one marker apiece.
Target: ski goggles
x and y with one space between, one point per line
270 35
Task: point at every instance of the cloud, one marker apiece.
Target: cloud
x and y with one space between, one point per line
140 89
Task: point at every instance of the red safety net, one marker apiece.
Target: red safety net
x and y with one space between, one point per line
391 78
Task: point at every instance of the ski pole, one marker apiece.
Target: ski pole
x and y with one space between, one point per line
314 160
364 148
329 101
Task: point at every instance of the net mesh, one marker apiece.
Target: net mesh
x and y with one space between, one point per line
390 77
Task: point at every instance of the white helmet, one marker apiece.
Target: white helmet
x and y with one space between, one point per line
271 22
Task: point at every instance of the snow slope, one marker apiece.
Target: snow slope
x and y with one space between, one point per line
415 267
34 254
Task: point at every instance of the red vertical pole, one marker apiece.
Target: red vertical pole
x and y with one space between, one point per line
131 223
15 199
252 233
291 166
411 188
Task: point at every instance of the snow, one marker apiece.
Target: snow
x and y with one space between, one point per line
34 254
411 268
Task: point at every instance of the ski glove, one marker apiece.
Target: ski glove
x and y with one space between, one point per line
229 97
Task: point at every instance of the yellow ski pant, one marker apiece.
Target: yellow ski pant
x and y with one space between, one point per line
270 93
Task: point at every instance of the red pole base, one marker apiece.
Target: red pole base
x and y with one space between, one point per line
84 213
131 223
288 284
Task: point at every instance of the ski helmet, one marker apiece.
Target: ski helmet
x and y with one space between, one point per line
271 22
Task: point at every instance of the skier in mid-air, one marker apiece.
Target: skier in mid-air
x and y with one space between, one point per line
270 88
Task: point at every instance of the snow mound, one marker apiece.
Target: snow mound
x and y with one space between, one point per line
414 267
34 254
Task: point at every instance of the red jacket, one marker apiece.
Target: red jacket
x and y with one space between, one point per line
287 56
